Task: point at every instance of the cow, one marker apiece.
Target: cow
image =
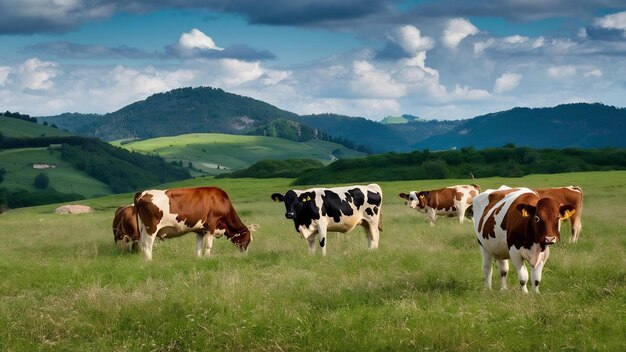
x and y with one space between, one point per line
572 195
207 211
125 230
517 224
340 209
451 201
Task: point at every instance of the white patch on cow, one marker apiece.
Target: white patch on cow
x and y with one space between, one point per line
219 233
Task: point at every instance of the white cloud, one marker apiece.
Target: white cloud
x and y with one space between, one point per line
411 39
467 93
369 82
507 82
515 39
235 72
196 39
480 47
4 75
594 72
614 21
35 74
456 30
560 72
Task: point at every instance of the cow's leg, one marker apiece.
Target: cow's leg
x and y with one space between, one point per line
199 244
535 273
373 234
576 227
432 216
460 210
208 244
487 266
147 241
311 240
503 265
522 272
322 234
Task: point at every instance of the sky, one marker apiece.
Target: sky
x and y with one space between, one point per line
446 59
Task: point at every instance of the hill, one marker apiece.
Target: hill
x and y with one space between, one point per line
571 125
212 153
12 127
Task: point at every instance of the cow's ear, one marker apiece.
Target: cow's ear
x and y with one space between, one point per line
404 196
566 210
525 209
277 197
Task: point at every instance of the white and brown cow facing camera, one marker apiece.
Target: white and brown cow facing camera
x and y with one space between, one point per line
517 224
341 209
572 195
449 201
125 229
207 211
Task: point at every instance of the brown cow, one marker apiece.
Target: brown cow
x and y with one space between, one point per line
517 223
125 231
207 211
571 195
454 200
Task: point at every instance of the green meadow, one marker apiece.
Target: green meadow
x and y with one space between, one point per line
207 151
10 127
65 286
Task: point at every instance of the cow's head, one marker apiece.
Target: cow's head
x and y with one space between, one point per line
421 199
410 199
124 241
242 239
299 206
545 218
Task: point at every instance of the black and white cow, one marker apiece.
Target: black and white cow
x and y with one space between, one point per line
340 209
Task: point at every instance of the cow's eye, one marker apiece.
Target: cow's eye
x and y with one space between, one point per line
537 218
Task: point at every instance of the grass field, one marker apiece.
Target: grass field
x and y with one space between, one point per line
65 286
63 177
232 152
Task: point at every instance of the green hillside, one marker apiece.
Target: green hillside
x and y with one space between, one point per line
63 176
11 127
208 151
388 120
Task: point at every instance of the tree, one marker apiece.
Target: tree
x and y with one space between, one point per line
2 172
41 181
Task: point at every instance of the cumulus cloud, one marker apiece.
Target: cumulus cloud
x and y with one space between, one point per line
507 82
368 82
456 30
4 75
196 44
36 75
411 40
610 27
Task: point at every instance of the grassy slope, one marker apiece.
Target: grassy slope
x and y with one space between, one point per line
64 178
64 286
11 127
232 151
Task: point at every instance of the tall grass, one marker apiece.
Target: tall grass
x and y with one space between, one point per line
65 286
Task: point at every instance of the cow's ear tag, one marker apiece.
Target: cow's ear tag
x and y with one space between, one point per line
524 213
422 196
568 214
308 198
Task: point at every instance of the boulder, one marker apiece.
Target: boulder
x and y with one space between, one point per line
72 209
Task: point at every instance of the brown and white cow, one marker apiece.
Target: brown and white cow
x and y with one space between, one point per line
454 200
517 224
207 211
340 209
125 230
571 195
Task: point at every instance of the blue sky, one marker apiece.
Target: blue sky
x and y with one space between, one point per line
446 59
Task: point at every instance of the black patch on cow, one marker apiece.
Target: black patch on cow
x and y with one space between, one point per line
453 208
522 283
479 242
334 207
375 210
502 273
374 198
323 242
369 211
536 283
358 198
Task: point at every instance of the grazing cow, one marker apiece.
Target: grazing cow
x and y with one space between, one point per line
449 201
572 195
125 230
207 211
517 223
341 209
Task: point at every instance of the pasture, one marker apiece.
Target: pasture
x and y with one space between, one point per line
231 152
65 286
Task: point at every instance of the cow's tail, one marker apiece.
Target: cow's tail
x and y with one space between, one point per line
380 219
135 202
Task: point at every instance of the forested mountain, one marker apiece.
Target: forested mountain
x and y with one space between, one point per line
571 125
205 109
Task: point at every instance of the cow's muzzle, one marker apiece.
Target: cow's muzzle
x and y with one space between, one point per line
550 240
290 215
